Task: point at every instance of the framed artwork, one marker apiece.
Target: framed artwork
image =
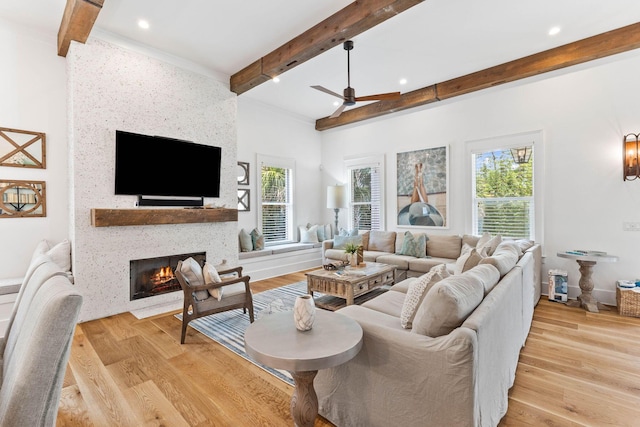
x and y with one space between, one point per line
243 173
20 199
244 200
22 148
423 182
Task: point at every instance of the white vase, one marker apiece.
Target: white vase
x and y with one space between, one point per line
304 312
354 260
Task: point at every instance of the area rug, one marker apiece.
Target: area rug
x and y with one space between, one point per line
228 328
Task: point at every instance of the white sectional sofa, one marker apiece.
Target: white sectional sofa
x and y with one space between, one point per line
458 376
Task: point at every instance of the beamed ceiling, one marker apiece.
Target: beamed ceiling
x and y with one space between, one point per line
358 19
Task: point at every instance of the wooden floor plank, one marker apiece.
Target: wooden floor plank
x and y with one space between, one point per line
577 369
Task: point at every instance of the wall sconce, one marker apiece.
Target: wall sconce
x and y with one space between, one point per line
336 200
521 155
630 163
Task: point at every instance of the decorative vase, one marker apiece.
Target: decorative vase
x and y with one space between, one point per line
304 312
354 259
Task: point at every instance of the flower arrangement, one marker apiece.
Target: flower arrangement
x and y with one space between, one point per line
351 248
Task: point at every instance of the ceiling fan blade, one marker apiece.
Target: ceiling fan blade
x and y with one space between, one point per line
325 90
338 111
391 96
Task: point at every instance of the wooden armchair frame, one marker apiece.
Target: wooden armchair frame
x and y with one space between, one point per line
211 305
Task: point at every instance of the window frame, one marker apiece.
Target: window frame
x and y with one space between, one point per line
362 162
284 163
533 138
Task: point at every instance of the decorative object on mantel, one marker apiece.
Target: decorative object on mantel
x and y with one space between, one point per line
20 148
243 173
336 200
244 200
20 199
521 155
630 157
123 217
304 312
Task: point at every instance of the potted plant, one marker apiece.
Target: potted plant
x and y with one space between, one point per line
352 248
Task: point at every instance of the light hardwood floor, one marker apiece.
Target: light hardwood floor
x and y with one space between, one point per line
576 369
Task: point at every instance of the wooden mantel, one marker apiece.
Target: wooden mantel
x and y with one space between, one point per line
122 217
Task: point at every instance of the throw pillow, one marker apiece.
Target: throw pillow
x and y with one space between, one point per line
60 254
491 245
382 241
365 240
327 232
211 275
417 291
246 244
257 239
447 305
192 273
468 259
348 233
340 242
309 235
415 246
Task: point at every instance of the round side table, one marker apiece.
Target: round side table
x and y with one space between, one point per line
275 342
586 263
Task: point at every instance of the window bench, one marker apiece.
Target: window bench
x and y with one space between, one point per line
280 259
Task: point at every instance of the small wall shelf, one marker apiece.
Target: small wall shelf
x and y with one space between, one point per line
124 217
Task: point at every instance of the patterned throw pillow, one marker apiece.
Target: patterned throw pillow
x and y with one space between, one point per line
417 291
414 246
257 239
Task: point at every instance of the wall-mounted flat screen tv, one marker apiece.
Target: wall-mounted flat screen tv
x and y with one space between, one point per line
159 166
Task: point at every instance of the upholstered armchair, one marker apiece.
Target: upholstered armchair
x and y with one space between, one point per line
209 291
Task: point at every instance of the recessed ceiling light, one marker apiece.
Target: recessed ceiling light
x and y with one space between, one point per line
403 81
143 23
554 30
336 103
276 79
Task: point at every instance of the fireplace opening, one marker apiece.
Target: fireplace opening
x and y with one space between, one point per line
155 276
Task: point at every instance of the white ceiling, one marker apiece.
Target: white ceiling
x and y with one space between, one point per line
429 43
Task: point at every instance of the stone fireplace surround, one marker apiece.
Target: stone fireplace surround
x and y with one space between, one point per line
111 88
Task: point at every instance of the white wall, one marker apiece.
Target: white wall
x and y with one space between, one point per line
112 88
583 114
33 92
263 130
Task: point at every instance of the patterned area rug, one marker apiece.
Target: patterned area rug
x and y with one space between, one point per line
228 328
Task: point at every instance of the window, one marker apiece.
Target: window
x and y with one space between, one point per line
366 193
503 197
276 199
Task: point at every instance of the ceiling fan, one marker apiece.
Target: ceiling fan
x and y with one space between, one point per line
349 98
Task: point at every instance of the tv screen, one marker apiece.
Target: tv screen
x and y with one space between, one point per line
158 166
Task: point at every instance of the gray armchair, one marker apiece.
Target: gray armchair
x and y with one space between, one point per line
234 289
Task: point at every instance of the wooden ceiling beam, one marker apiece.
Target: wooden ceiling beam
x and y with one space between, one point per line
348 22
595 47
77 22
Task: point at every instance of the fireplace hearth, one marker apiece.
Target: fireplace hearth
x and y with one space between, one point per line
155 276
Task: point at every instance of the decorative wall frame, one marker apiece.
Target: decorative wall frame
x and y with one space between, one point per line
243 173
22 148
423 188
19 199
244 200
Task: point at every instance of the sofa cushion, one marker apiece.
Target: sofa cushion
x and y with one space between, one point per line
486 274
470 239
446 246
404 285
423 265
469 258
382 241
246 244
447 305
400 261
504 258
417 291
372 256
389 303
412 245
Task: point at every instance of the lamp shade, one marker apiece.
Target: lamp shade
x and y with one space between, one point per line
336 197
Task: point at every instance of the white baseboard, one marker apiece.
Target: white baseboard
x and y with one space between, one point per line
265 267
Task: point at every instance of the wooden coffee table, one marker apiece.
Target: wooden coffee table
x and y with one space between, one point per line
350 282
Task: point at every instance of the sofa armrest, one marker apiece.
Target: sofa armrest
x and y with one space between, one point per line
399 363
